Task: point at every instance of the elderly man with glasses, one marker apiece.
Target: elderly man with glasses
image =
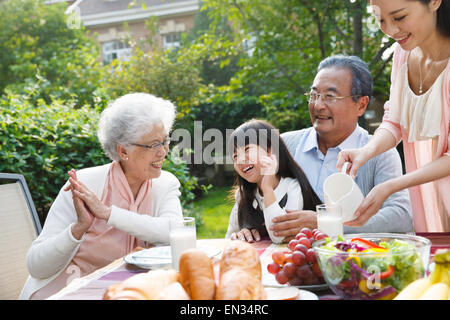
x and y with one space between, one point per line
339 95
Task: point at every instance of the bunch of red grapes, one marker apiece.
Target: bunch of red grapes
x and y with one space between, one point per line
298 266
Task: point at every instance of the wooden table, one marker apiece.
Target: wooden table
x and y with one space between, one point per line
439 240
94 285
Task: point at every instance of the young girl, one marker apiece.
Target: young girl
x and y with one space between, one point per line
268 182
417 113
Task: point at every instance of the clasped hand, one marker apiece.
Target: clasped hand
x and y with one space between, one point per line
86 203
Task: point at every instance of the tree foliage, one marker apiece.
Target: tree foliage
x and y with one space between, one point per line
285 41
42 57
169 74
44 141
244 59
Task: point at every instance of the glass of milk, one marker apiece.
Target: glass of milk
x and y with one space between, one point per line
183 236
329 219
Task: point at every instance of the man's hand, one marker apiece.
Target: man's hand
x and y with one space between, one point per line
290 224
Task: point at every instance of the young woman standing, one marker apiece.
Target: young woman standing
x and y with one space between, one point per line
417 113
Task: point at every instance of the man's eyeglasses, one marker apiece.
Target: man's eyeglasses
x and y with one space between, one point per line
154 147
328 98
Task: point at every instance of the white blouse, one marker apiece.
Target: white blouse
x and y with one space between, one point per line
419 115
288 186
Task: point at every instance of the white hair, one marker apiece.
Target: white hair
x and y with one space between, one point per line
129 118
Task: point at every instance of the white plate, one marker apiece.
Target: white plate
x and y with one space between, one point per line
158 257
313 287
303 294
307 295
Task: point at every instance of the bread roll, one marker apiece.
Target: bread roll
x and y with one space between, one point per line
174 291
239 279
197 275
237 284
241 254
114 294
143 286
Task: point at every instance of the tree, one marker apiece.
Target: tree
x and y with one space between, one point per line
169 74
44 141
215 69
290 38
42 57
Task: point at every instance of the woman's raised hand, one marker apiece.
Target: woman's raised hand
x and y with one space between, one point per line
89 198
370 205
356 158
98 209
85 217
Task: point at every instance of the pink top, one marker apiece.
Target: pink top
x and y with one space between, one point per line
102 243
430 201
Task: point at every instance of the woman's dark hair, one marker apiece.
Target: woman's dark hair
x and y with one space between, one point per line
443 14
265 135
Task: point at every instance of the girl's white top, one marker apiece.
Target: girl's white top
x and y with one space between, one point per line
289 186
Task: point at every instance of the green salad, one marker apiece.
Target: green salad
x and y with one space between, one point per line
361 269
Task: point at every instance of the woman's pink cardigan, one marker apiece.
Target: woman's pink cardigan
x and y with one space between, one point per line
443 185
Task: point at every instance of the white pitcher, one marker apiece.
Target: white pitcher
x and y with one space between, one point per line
342 189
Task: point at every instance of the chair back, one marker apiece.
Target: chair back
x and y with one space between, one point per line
19 227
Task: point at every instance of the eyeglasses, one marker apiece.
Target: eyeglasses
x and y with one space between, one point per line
326 97
154 147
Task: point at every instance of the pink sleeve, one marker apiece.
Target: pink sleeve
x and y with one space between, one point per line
448 145
447 109
393 127
447 153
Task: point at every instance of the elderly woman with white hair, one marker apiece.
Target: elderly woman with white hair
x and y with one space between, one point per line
105 212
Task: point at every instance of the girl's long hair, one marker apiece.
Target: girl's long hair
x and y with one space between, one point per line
267 137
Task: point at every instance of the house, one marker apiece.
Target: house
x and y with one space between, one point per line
106 19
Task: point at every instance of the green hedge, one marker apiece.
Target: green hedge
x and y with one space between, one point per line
221 114
44 141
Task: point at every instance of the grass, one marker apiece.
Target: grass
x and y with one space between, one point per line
215 209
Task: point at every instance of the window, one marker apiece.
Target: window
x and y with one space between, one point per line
115 50
171 40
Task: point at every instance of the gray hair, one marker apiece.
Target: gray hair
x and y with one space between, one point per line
362 83
129 118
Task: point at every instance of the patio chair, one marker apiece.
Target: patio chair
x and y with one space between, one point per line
19 226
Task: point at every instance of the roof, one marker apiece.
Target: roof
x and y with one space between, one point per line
104 12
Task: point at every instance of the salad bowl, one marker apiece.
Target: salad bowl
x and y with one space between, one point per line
374 266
